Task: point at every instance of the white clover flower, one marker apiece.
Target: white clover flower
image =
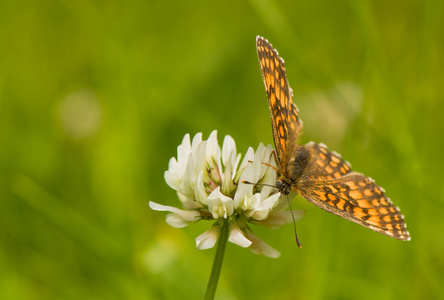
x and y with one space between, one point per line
209 183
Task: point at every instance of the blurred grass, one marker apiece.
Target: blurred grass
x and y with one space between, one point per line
96 96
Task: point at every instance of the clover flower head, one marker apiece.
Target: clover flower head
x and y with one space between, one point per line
210 185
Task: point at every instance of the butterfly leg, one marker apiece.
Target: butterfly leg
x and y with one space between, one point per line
275 160
268 165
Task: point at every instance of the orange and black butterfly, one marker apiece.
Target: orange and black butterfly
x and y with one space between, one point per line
320 175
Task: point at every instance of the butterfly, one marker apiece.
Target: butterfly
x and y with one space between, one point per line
320 176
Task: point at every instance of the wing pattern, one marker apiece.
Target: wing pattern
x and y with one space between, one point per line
329 183
284 114
322 177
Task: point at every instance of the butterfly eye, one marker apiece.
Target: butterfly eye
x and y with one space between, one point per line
279 184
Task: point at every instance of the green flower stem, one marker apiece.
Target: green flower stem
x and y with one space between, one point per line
217 264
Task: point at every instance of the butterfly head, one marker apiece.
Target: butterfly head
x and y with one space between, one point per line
283 187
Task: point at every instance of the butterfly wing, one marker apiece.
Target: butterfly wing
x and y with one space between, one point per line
329 183
284 114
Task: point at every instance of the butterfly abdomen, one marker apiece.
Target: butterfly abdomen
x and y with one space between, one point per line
298 163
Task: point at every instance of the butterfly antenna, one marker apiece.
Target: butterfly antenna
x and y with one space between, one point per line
294 223
263 184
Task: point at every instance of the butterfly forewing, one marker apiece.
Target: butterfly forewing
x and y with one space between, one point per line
284 114
330 184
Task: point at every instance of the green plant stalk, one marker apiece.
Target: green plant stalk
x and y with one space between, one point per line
217 263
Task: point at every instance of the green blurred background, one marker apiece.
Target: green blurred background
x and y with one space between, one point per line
95 96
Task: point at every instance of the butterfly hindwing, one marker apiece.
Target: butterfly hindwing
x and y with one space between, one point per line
330 184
